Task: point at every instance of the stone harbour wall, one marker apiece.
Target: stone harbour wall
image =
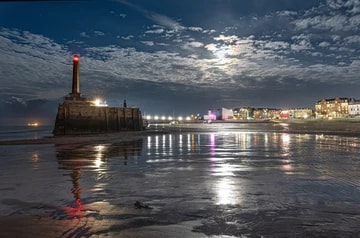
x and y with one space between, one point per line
82 118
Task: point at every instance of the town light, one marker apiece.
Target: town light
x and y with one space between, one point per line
99 103
35 124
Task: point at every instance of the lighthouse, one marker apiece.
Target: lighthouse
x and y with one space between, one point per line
78 115
75 93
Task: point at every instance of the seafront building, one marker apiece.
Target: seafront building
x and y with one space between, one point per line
219 114
297 113
264 113
243 113
249 113
354 108
333 108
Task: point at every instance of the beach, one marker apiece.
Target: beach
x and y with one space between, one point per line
287 179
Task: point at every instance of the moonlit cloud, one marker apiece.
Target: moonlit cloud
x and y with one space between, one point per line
148 43
193 44
352 39
129 37
34 63
192 28
209 31
324 44
287 13
13 99
83 34
155 31
99 33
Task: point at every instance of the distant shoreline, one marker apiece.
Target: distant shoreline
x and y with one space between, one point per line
328 127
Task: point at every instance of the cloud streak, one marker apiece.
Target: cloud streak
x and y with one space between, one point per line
155 17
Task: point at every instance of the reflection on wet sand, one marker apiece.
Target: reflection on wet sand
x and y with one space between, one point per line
93 157
80 217
208 184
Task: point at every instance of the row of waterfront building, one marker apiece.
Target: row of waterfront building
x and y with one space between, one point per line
324 109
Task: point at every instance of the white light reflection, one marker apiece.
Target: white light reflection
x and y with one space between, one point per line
149 142
164 144
285 140
188 142
288 168
180 144
99 155
222 169
170 144
226 192
266 140
156 144
226 187
212 144
285 143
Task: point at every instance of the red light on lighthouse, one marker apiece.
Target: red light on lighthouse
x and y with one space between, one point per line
76 58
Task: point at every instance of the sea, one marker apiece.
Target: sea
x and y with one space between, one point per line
228 181
24 132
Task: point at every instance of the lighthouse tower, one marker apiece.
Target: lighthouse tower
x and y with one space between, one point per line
75 93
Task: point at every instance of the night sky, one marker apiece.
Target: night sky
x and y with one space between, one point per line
177 57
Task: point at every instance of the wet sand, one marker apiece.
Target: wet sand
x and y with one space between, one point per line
281 197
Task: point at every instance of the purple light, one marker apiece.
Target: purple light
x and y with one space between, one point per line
212 116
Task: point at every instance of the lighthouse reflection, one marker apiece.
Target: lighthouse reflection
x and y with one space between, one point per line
80 158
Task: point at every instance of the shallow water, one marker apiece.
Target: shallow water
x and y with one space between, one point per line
24 132
244 183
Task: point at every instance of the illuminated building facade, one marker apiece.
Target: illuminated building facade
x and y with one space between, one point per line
249 113
301 113
273 113
243 113
333 108
226 114
284 115
354 108
297 113
260 113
